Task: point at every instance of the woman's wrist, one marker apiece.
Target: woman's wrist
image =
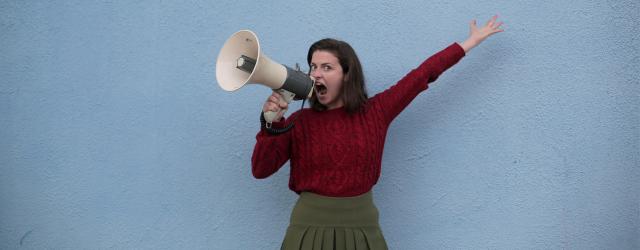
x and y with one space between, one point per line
469 44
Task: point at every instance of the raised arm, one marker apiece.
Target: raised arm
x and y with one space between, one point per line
393 100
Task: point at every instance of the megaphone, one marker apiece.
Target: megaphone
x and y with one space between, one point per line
241 61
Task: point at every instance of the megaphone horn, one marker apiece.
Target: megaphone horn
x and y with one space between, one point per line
241 61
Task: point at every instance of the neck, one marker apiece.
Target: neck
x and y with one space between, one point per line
335 106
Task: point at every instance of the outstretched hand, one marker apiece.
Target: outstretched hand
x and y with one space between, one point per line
477 35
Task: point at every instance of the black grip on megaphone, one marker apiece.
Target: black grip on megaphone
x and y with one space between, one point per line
298 83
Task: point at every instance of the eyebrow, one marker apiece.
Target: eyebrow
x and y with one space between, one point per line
330 64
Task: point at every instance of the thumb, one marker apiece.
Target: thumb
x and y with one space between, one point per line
473 25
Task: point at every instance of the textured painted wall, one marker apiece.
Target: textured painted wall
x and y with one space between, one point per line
114 133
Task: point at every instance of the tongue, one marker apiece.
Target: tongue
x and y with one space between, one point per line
321 90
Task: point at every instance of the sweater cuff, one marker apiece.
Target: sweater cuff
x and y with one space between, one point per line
457 49
275 125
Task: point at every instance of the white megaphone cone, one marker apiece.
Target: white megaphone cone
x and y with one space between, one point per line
241 61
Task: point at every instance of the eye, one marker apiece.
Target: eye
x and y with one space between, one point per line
326 67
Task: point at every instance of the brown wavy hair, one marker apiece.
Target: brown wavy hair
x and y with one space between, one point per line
354 93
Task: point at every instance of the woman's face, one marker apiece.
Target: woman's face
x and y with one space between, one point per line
326 70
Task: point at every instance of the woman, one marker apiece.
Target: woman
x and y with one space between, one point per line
335 148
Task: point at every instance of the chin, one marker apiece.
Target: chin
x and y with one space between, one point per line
322 101
325 103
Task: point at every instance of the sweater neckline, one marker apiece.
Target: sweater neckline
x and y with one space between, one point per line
330 111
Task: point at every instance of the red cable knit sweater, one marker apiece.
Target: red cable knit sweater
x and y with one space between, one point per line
336 154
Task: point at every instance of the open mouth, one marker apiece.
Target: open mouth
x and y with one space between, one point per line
321 90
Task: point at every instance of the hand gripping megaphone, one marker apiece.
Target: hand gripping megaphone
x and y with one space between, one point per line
241 61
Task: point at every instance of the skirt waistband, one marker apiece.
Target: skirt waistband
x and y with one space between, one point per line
317 210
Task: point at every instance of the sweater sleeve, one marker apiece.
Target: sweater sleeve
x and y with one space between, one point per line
270 151
393 100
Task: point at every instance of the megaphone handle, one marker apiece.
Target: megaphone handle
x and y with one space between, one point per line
269 116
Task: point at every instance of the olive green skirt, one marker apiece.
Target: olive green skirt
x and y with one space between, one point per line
321 222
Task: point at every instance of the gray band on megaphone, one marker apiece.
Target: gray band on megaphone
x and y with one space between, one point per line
298 83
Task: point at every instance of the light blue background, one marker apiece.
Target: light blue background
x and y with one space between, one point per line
115 134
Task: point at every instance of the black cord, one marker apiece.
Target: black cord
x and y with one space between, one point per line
277 131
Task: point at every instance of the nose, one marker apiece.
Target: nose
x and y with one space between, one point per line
316 74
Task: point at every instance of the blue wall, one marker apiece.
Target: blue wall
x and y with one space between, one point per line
115 134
